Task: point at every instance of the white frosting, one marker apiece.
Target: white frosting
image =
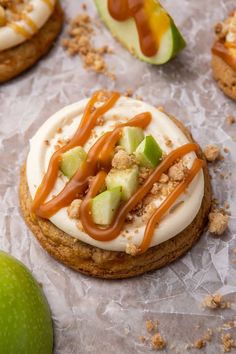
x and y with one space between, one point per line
160 127
39 15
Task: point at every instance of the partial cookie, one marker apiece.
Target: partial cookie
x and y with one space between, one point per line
224 55
225 76
100 263
15 60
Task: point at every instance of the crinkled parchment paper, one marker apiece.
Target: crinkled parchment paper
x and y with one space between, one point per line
95 316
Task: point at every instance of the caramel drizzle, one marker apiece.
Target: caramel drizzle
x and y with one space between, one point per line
30 22
99 157
20 30
113 231
122 10
81 136
222 50
97 164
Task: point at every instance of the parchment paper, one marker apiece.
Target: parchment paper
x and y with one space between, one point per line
95 316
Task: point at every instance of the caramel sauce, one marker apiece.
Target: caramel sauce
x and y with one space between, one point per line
98 158
81 136
112 231
150 28
222 50
97 165
30 22
20 30
49 4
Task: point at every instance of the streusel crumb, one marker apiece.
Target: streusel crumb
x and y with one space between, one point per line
158 342
176 172
228 342
212 152
122 160
215 302
132 249
73 209
218 222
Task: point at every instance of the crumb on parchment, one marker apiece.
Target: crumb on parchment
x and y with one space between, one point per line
228 342
150 325
215 301
158 342
218 222
80 43
212 152
230 120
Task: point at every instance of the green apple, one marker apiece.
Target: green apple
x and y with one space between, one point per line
71 161
131 138
148 153
126 32
127 179
105 205
25 320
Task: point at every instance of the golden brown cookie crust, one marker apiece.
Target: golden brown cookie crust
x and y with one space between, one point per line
15 60
225 76
100 263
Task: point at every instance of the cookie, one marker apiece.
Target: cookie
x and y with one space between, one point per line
15 60
107 264
225 76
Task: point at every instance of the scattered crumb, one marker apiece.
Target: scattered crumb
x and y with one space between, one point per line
148 211
158 342
142 339
132 249
80 42
73 209
143 174
228 342
164 178
218 222
212 153
215 302
128 93
150 325
168 141
122 160
230 120
199 343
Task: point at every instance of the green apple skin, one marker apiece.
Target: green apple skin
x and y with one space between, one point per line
126 32
25 319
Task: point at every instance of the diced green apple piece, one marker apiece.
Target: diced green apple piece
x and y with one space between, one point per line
127 179
148 153
131 138
105 205
71 161
126 32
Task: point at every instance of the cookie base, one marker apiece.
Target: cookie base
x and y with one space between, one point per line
225 76
15 60
104 264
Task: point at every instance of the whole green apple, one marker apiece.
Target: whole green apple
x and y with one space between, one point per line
25 320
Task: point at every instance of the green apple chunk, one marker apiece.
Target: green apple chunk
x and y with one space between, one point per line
127 179
105 205
148 153
131 138
126 32
25 320
71 161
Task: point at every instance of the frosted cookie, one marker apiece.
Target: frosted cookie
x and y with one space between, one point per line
143 27
27 32
224 55
113 187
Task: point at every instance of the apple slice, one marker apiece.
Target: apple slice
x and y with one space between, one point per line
71 161
127 179
25 320
148 153
105 205
131 138
126 32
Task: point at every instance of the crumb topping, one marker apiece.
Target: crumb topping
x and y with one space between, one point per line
215 302
122 160
176 172
212 152
228 342
12 10
226 30
218 222
158 342
80 43
73 209
132 249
